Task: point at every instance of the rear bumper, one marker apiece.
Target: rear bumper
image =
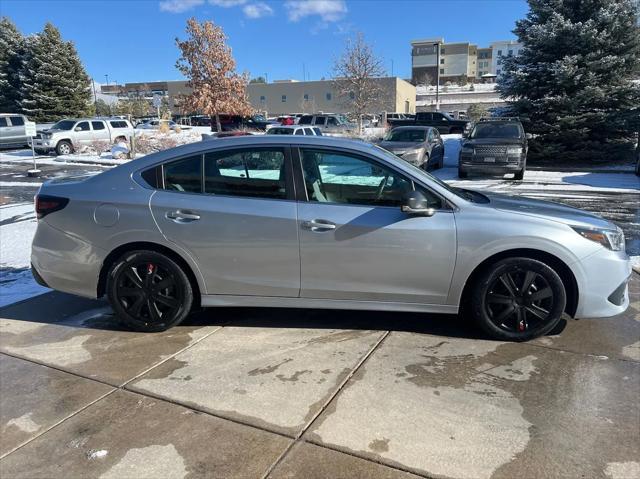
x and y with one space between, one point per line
602 285
65 263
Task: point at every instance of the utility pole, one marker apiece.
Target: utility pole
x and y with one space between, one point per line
437 44
95 97
106 77
266 77
304 72
392 67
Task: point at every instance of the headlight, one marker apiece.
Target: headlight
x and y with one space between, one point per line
413 152
514 150
610 239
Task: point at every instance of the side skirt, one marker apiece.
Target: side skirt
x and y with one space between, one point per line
212 300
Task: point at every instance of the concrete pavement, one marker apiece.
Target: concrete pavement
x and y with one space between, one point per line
291 393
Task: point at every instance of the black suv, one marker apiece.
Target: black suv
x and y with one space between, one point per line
494 146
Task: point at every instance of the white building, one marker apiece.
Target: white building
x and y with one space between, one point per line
503 49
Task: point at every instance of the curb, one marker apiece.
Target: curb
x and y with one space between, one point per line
579 170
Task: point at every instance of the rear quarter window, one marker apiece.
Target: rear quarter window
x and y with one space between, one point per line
118 124
3 121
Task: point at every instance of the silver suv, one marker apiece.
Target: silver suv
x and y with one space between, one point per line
328 123
69 135
12 130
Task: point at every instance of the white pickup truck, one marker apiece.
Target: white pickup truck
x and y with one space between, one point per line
71 134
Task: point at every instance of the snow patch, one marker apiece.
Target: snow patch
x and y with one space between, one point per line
149 463
97 454
25 423
623 470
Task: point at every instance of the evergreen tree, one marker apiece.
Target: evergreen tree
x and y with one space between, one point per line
54 82
11 57
573 79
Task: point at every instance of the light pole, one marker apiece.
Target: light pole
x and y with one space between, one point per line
437 45
106 77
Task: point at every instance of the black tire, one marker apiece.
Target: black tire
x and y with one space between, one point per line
441 162
134 289
462 173
519 175
39 151
425 162
64 147
518 299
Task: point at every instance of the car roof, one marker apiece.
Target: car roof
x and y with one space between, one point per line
11 114
292 127
410 127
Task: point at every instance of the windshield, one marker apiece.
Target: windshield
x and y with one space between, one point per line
414 135
342 119
63 125
259 118
496 130
280 131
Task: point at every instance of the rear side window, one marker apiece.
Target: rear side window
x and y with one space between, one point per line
97 125
184 175
153 176
17 121
253 173
3 121
309 132
305 120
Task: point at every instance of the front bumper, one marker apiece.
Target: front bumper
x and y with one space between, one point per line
497 167
602 284
42 144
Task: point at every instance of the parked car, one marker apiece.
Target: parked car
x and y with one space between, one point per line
494 146
237 122
399 116
225 134
220 223
155 124
421 146
294 130
68 134
442 121
328 123
12 131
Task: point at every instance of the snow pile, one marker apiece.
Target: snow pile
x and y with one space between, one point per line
17 228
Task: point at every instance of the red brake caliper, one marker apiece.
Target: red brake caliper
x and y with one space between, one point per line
521 325
150 268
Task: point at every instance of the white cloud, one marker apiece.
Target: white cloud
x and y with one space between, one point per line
257 10
327 10
227 3
179 6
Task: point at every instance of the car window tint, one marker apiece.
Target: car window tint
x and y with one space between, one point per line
309 132
320 120
335 177
299 131
118 124
17 121
318 131
83 125
97 125
184 175
305 120
332 121
255 173
3 121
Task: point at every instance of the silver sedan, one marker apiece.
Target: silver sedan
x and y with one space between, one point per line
313 222
421 146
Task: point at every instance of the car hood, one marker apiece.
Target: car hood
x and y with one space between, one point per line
546 210
395 146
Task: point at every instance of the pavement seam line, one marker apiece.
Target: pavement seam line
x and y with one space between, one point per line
337 391
29 441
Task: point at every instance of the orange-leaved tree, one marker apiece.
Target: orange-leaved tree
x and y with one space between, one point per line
208 64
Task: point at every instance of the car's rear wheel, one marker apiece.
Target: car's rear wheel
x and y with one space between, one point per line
149 291
517 299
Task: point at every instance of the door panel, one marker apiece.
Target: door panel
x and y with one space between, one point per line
244 240
376 253
356 243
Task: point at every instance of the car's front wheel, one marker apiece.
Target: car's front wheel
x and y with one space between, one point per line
517 299
149 291
64 147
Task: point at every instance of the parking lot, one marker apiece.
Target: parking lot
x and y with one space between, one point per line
292 393
252 393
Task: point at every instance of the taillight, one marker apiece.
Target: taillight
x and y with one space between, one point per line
48 204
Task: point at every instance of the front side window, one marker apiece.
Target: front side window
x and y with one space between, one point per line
254 173
17 121
332 121
305 120
97 125
320 120
184 175
336 177
83 126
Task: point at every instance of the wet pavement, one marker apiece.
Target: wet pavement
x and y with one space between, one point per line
241 392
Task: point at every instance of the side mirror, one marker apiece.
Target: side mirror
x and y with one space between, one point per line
77 128
415 203
528 136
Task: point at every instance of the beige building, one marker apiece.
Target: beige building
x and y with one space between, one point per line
290 96
454 62
281 97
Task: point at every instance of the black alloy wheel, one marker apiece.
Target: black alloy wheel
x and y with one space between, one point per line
149 291
519 299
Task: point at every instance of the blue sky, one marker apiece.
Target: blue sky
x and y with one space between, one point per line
133 40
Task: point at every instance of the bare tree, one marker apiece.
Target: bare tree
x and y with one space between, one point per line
354 77
209 65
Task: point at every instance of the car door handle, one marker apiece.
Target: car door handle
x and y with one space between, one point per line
180 216
319 225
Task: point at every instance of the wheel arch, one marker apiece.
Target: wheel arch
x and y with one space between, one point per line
560 267
158 248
